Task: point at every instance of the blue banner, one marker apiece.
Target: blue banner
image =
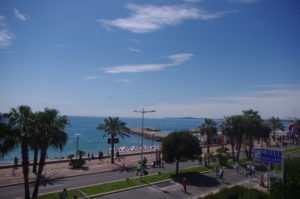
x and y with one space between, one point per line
267 155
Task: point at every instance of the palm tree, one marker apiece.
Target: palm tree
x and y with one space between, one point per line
17 131
275 123
253 126
113 127
209 128
233 128
51 134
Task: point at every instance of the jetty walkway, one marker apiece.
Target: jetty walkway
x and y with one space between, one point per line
149 133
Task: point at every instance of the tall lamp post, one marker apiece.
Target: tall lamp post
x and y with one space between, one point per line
142 149
77 140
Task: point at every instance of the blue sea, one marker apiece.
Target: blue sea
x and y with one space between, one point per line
91 140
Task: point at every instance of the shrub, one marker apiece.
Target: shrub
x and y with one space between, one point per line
77 163
238 192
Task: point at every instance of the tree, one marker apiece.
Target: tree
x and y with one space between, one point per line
17 130
291 180
253 123
233 128
52 134
209 128
180 146
275 123
297 127
113 127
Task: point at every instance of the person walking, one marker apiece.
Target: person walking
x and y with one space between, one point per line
64 194
217 171
16 160
118 155
184 184
221 174
138 168
237 167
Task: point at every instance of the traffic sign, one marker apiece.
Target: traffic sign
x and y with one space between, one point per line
267 155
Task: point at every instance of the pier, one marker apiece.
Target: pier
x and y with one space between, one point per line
149 133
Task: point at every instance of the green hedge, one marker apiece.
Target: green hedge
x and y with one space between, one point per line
238 192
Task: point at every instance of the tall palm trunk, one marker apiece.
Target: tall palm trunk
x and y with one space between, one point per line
177 167
232 150
112 149
250 147
25 166
35 159
40 171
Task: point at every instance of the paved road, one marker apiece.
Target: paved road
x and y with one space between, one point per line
51 185
197 185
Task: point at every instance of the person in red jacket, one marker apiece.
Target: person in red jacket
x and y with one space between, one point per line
184 183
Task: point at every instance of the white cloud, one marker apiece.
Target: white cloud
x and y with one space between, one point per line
19 15
135 50
92 77
148 18
244 1
122 80
136 68
277 86
175 60
180 58
283 103
5 38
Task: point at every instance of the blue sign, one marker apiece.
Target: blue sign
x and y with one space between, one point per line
267 155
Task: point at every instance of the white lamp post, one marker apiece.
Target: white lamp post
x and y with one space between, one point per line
77 140
142 149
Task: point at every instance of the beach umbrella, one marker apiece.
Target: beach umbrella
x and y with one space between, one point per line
133 148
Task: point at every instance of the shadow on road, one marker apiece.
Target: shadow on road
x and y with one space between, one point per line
50 180
197 179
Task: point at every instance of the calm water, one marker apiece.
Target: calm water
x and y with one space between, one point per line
91 140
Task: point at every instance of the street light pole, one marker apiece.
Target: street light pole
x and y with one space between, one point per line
142 149
77 140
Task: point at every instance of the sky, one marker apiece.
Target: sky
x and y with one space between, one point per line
181 58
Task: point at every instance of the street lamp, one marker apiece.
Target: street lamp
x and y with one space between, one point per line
77 139
142 149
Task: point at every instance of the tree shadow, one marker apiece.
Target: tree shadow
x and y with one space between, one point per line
49 180
197 179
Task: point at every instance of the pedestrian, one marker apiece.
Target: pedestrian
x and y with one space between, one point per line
221 174
200 160
237 167
217 171
253 170
118 155
64 194
93 157
145 162
184 183
100 155
16 160
89 156
138 168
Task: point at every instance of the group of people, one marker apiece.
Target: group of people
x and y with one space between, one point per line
142 166
219 172
250 170
91 156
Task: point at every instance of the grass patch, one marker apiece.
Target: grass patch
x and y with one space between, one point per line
134 182
292 150
123 184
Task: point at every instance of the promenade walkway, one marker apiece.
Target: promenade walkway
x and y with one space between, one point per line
62 169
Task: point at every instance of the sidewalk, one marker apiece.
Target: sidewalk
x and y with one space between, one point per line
62 169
